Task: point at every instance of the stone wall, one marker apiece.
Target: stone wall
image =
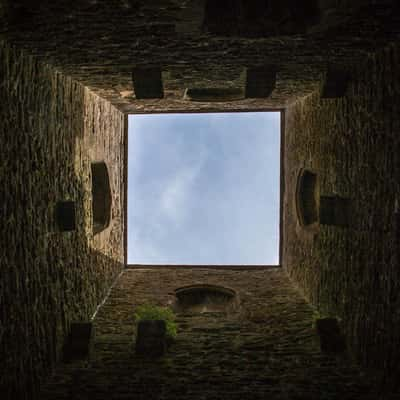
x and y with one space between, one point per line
99 43
352 143
51 129
267 348
49 116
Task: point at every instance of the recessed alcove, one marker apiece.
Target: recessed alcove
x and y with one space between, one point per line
205 298
101 196
307 198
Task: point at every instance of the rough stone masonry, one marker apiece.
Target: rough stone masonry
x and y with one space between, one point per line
67 83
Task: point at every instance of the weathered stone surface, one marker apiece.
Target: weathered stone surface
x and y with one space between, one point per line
269 349
63 93
259 18
51 129
99 43
353 145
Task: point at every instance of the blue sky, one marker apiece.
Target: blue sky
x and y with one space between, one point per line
204 188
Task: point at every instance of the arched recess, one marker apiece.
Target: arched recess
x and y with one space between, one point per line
205 298
101 197
307 198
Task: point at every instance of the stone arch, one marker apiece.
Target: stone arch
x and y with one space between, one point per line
205 298
307 198
101 196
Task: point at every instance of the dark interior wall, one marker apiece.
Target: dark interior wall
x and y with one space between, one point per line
265 347
99 43
51 129
352 144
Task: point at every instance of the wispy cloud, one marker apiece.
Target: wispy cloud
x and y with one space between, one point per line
175 200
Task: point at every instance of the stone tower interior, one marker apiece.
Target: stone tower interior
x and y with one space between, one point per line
325 324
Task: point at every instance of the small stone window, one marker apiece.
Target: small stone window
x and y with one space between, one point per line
205 298
101 197
307 198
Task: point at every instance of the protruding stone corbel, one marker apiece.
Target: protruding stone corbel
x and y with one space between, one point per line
331 338
151 338
147 82
334 210
337 79
260 81
79 341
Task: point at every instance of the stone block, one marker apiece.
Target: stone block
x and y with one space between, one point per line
79 341
336 83
331 338
334 210
260 81
147 82
151 338
65 215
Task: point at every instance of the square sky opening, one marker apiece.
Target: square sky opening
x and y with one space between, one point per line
204 188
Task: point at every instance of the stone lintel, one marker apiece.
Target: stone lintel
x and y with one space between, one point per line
214 94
